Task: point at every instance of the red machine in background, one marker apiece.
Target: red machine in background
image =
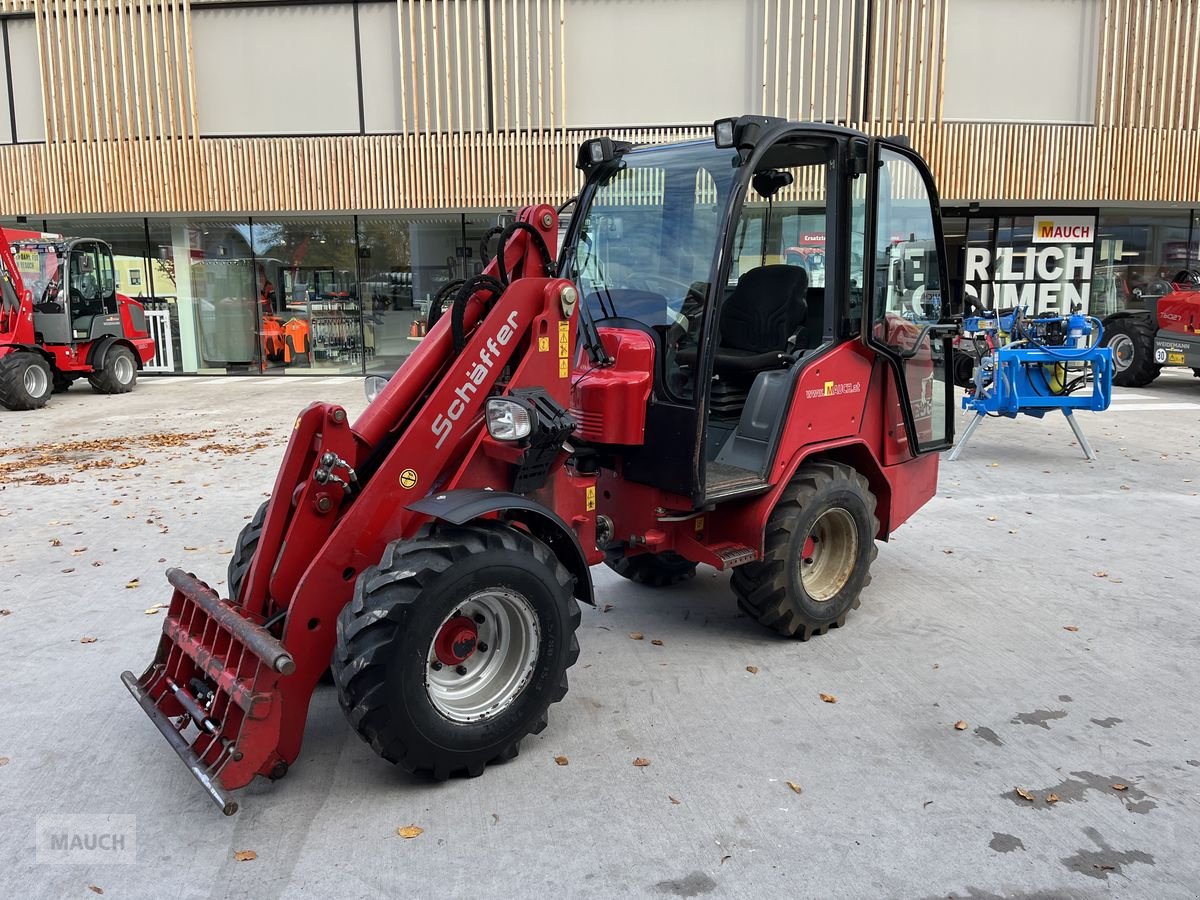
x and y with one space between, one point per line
633 403
1164 332
61 318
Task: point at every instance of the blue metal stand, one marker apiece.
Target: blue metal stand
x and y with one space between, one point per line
1036 366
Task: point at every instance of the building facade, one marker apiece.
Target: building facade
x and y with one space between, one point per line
285 183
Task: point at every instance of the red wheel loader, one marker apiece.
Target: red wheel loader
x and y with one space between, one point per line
664 393
61 318
1164 331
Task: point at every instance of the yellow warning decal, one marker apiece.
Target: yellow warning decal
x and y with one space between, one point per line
564 368
408 478
829 389
590 501
543 345
564 340
699 523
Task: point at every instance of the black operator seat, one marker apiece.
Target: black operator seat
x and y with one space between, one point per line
763 320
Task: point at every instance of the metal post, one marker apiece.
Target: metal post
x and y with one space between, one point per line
966 436
1083 442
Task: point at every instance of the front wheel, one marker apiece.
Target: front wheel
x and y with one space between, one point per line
26 381
119 374
455 646
819 544
1131 339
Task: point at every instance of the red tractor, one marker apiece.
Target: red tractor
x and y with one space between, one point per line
635 401
61 318
1165 331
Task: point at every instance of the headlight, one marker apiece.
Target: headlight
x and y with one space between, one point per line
374 385
507 419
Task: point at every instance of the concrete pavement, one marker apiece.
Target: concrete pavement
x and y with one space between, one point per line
1047 602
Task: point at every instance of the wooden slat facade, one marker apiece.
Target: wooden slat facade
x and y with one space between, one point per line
484 111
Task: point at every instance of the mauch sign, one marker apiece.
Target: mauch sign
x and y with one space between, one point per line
1064 229
1051 274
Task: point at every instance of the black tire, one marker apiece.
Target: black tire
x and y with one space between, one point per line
26 381
119 374
654 569
62 383
243 552
1132 341
385 636
1196 373
826 500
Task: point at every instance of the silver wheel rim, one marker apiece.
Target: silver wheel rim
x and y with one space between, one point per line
1122 350
492 675
36 381
123 369
828 554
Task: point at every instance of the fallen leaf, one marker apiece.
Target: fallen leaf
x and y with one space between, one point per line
960 725
1099 574
5 612
1120 787
87 640
78 550
641 762
153 611
991 518
67 571
561 760
753 670
1024 794
947 552
55 542
926 803
674 801
725 857
829 698
1052 798
1103 867
607 607
656 642
795 787
408 832
1125 487
245 855
191 548
636 635
994 465
131 584
95 890
97 563
4 760
1070 628
495 819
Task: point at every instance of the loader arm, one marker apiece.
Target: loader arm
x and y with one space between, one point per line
232 680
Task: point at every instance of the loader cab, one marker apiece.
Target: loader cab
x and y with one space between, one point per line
73 283
747 258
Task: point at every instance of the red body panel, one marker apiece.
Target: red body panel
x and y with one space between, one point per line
1180 312
610 404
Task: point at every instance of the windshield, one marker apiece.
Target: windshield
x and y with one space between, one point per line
646 244
38 264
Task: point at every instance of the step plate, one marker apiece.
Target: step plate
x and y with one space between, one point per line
735 556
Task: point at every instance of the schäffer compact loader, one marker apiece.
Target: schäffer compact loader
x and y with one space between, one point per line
666 392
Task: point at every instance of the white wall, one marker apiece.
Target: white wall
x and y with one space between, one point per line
659 63
275 70
379 39
1022 60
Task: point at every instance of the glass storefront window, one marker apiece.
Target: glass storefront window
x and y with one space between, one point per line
306 287
1141 253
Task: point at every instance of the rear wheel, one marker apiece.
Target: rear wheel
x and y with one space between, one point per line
454 647
820 541
654 569
119 374
1131 339
25 381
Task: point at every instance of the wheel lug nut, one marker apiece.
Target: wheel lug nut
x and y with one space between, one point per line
436 666
478 617
461 670
482 647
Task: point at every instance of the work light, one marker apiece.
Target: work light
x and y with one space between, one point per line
507 419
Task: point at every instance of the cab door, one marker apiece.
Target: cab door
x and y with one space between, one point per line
905 302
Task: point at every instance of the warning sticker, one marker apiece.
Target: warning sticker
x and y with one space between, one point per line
543 345
27 261
590 499
408 478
